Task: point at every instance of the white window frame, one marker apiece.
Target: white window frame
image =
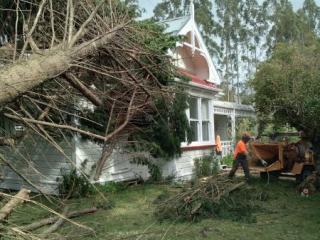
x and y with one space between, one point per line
207 120
200 120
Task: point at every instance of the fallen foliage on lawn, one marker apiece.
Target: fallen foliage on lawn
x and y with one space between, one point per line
216 196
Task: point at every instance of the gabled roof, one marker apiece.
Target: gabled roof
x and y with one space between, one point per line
175 25
184 25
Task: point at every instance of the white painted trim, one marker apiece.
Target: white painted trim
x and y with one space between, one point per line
200 119
193 40
232 105
195 48
196 144
211 119
213 74
213 125
200 143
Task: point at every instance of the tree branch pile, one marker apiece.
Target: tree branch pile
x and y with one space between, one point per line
215 197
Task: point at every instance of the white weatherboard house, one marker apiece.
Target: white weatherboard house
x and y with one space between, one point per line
208 117
41 163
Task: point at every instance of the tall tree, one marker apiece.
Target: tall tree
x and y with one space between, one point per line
285 25
254 17
232 32
310 13
287 88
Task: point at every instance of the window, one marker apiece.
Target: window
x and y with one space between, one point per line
205 119
194 118
199 112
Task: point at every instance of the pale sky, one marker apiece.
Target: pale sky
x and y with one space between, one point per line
149 5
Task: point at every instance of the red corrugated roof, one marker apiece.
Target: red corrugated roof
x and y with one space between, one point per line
196 79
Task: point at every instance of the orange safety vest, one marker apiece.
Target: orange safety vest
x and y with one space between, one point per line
218 144
241 148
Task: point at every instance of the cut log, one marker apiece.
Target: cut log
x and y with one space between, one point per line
19 198
51 220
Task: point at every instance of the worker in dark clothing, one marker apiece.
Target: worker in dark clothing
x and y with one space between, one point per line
240 157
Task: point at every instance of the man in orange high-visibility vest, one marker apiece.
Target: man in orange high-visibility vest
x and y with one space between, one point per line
240 157
218 146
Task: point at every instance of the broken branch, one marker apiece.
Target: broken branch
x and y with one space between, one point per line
76 83
20 197
57 224
51 220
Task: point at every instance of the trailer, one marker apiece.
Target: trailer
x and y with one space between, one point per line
276 159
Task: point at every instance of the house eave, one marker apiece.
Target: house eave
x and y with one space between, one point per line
232 105
199 87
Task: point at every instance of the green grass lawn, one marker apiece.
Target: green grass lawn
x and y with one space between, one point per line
285 215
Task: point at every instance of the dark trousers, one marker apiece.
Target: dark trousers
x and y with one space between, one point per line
240 160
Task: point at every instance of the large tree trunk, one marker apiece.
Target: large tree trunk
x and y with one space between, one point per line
26 74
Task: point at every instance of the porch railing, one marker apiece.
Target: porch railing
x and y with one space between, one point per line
227 148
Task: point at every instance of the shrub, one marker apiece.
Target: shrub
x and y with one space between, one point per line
206 166
227 160
73 184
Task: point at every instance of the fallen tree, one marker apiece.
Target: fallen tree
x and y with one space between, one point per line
33 68
98 73
26 74
86 69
